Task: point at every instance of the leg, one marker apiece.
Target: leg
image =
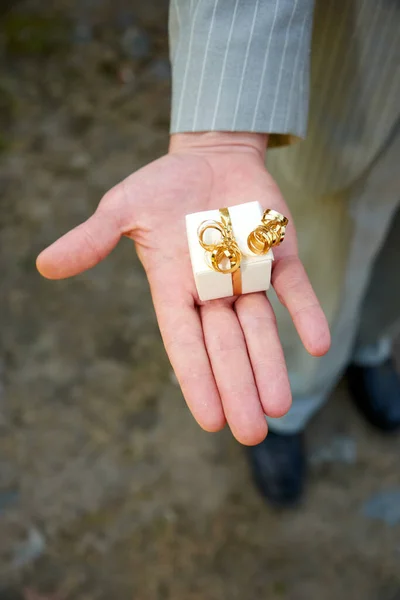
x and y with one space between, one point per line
339 237
380 316
372 378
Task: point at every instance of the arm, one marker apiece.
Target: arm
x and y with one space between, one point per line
240 65
226 353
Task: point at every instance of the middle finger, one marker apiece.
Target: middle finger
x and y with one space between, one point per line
233 373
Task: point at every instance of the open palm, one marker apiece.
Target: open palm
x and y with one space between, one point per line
226 353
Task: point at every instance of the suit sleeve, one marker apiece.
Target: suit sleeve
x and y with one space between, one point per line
240 65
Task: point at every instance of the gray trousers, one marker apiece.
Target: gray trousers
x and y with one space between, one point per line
350 244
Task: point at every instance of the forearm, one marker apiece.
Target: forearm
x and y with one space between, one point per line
240 65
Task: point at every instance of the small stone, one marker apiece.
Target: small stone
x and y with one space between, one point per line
173 379
340 449
383 506
82 33
126 75
135 43
160 69
8 499
29 550
80 161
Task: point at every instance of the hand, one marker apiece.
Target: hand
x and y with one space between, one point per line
226 353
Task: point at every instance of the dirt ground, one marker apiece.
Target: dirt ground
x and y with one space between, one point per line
108 489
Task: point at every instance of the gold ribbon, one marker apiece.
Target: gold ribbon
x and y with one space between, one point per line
224 250
270 233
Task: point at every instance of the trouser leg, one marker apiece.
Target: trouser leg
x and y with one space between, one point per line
339 239
380 315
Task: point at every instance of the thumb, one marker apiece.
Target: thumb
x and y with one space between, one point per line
81 248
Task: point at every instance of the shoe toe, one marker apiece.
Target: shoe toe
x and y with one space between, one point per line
376 392
278 466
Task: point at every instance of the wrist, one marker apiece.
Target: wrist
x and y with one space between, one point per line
219 141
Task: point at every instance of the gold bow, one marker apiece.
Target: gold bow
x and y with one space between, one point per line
224 254
270 233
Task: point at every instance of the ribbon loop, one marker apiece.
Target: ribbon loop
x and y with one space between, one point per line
225 249
270 233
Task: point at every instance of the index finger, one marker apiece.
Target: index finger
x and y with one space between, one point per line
182 333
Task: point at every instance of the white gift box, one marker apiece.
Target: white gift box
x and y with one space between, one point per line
255 270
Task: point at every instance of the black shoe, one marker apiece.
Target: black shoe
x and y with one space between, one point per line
376 392
278 465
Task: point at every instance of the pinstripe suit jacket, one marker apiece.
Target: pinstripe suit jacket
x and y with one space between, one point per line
244 65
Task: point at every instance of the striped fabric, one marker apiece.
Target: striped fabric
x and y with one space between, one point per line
354 95
240 65
243 65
